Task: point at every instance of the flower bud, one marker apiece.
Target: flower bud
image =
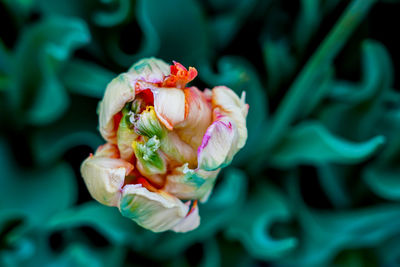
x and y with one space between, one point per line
166 144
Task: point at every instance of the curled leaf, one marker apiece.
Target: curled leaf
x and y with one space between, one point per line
311 143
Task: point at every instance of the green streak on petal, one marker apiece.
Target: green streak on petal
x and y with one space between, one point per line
129 208
138 105
141 66
148 156
150 69
125 134
192 178
148 124
125 117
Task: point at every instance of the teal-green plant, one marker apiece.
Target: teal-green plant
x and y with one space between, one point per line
317 183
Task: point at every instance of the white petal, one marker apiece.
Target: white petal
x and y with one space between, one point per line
234 107
118 92
107 150
151 70
104 176
198 117
121 90
169 104
156 211
177 150
219 144
189 223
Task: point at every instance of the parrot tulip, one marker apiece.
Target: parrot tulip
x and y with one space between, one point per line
166 144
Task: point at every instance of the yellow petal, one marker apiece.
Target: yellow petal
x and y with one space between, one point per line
104 176
156 211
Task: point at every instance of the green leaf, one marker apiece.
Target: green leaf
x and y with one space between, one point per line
319 62
86 78
311 143
334 231
27 192
377 76
384 182
113 18
50 143
190 42
158 20
224 27
37 92
358 110
106 220
307 22
280 63
251 227
333 181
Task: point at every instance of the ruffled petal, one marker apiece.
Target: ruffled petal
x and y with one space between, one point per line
151 70
156 211
219 143
118 92
186 183
107 150
169 104
198 117
148 125
177 150
122 89
190 222
180 76
104 175
234 107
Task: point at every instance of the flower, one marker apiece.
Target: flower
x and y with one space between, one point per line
166 144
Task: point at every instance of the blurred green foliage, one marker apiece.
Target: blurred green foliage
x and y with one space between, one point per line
317 184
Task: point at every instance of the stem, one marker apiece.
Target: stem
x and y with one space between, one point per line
321 59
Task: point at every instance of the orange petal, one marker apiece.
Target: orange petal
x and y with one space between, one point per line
180 76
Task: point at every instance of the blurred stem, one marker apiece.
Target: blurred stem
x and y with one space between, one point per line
304 84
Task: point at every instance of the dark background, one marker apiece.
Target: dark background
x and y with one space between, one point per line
317 184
